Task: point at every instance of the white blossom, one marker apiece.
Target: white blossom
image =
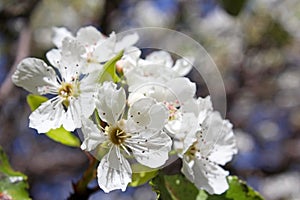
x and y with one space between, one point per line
156 67
98 47
139 134
175 94
70 90
194 112
122 131
214 144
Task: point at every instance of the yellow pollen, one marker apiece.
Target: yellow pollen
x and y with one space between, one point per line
116 135
191 152
66 90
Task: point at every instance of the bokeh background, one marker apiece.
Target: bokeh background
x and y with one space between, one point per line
255 44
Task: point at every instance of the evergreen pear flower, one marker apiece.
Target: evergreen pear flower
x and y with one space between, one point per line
71 91
139 135
213 145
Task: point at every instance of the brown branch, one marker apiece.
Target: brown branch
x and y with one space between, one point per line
22 52
110 6
20 9
81 190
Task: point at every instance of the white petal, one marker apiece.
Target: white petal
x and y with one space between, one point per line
133 53
71 59
72 49
73 115
183 66
89 35
105 49
59 35
49 115
114 171
158 116
129 59
111 102
87 102
87 94
210 177
126 42
92 136
91 68
148 74
200 107
33 73
53 56
139 111
187 132
187 169
176 126
183 88
159 91
153 148
134 79
146 112
219 139
161 57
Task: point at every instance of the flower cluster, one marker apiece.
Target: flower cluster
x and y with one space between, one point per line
149 111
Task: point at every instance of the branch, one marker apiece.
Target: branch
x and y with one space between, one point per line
20 9
22 52
81 190
109 7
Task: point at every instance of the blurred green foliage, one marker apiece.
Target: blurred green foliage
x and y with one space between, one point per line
233 7
13 184
177 187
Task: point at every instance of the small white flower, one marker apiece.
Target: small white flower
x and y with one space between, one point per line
71 89
140 135
214 144
157 67
175 94
99 48
194 112
182 66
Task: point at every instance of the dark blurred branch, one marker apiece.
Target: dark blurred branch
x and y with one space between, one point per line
23 47
109 7
81 190
21 9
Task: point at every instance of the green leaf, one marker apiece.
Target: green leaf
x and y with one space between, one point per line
34 101
175 187
233 7
58 135
158 186
109 69
238 190
13 184
141 174
64 137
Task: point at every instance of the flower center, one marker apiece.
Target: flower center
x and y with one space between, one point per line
116 135
66 90
191 152
173 108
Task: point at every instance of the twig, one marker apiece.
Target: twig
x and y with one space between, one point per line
109 7
81 190
22 52
17 10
